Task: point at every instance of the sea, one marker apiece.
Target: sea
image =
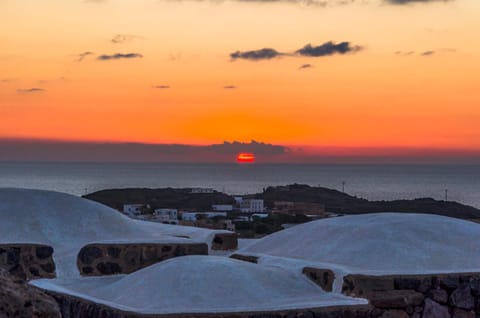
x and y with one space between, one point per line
374 182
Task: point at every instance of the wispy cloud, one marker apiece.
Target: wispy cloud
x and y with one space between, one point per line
256 55
425 53
328 48
304 66
30 90
82 56
124 38
161 86
95 1
119 56
413 1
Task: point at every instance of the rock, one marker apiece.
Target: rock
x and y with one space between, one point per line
462 298
395 298
449 282
394 314
438 295
89 253
435 310
17 299
460 313
44 252
109 268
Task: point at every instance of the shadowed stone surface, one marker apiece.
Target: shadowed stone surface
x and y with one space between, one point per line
322 277
19 300
225 241
110 259
27 261
245 258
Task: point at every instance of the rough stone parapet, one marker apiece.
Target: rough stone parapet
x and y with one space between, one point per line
27 261
74 307
245 258
109 259
419 296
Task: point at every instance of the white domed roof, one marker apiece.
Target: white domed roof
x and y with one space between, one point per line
67 223
205 284
385 242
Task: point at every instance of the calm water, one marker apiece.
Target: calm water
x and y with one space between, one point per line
368 181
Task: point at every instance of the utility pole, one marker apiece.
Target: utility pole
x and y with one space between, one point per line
343 186
446 195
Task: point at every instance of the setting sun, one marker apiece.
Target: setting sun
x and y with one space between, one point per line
246 158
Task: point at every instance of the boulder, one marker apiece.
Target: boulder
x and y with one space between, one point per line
435 310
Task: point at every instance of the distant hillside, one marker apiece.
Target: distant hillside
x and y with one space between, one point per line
336 201
160 198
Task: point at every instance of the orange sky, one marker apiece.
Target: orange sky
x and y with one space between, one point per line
370 98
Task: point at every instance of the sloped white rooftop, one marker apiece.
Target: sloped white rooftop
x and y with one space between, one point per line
67 223
377 243
202 284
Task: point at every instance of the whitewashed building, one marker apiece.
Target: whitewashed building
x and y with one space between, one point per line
252 206
133 209
166 215
202 190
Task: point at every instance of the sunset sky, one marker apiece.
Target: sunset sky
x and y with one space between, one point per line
398 74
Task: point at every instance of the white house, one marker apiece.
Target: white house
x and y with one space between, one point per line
166 215
222 207
132 209
201 190
252 206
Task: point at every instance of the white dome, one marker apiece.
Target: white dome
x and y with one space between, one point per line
67 223
205 284
384 242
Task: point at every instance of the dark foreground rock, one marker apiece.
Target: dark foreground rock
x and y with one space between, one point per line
19 300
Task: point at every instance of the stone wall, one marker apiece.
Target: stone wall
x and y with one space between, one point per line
419 296
225 241
73 307
109 259
27 261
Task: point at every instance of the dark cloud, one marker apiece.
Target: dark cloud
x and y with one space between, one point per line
118 56
304 66
256 55
426 53
161 86
327 48
229 87
30 90
82 56
123 38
